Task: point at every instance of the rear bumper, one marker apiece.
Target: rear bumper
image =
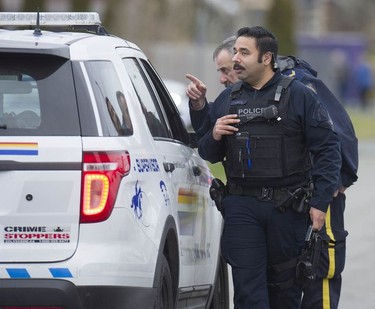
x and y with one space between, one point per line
64 294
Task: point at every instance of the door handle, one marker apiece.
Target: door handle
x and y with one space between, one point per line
168 167
197 171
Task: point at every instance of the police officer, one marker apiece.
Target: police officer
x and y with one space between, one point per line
325 290
196 90
267 143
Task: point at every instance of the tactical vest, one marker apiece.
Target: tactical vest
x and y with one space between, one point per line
265 146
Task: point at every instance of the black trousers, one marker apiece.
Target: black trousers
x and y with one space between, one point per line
256 234
324 292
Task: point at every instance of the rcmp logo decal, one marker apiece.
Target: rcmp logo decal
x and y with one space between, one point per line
138 200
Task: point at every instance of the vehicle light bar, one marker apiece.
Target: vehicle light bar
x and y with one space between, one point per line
49 19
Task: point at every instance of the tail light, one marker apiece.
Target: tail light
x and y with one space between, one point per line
101 177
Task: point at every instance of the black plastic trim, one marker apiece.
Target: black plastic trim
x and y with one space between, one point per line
39 166
39 292
114 297
64 294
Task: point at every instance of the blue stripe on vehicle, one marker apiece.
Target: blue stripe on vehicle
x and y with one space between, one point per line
61 273
19 152
18 273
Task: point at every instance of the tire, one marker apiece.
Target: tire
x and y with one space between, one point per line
220 298
164 297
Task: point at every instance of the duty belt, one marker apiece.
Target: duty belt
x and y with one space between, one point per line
278 195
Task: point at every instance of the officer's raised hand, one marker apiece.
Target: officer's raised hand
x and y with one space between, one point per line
225 126
196 91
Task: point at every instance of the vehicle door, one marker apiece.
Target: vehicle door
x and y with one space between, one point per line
197 211
198 207
187 175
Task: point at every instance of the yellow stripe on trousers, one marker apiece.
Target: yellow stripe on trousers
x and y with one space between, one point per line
331 262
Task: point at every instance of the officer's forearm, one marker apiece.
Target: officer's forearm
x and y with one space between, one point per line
197 104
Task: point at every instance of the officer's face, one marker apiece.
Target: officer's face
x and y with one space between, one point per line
224 66
246 63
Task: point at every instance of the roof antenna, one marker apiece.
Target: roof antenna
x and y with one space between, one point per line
37 31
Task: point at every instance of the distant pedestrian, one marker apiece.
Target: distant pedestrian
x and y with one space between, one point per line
364 82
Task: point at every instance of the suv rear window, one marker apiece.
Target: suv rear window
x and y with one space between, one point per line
37 96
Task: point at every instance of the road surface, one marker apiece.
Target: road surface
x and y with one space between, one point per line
358 289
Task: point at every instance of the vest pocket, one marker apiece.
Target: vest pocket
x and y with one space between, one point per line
254 156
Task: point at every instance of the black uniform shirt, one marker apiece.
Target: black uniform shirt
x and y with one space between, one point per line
305 113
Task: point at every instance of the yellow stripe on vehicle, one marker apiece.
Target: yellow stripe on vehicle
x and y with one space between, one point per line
186 196
22 149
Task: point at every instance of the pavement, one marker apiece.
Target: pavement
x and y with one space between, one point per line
358 288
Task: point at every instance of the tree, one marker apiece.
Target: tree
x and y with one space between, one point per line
81 5
281 21
33 6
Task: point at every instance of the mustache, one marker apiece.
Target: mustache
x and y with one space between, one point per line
237 66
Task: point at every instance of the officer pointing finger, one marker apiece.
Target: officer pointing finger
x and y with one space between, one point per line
196 91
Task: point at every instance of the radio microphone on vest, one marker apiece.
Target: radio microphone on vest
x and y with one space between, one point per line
268 113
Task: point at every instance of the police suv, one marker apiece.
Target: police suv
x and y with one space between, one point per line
104 203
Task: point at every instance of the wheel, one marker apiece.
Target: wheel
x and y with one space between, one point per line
164 297
220 298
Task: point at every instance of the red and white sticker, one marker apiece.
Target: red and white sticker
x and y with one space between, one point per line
36 234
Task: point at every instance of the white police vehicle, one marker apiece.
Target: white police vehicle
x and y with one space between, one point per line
103 202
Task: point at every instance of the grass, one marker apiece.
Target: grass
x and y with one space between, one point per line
217 170
364 123
364 126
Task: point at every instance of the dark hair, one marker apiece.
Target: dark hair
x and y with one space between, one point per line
265 41
227 45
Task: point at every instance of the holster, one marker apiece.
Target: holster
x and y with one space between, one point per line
305 265
309 260
217 193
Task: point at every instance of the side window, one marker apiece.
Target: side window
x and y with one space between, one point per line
112 104
176 123
147 98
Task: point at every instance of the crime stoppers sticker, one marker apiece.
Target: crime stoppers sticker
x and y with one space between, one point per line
36 234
